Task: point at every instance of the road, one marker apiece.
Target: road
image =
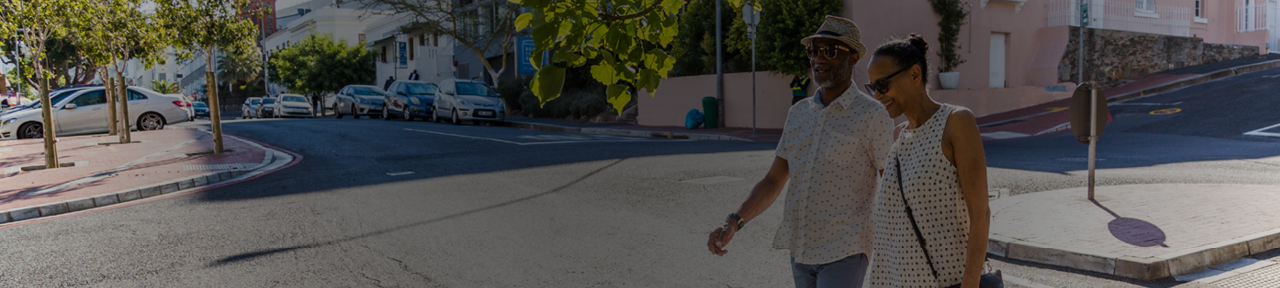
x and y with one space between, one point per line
416 204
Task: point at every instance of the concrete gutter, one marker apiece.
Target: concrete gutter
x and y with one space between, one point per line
620 132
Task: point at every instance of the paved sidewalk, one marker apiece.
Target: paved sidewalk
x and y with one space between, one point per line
164 161
1053 116
1138 231
623 129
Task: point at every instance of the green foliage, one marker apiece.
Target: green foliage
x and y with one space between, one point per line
582 97
205 25
782 24
629 38
164 86
320 65
953 14
694 48
240 67
511 90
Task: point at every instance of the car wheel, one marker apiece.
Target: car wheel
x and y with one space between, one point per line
408 114
386 113
31 131
354 113
435 115
336 112
453 117
150 121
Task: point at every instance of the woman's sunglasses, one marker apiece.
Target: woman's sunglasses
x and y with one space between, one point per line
828 51
882 86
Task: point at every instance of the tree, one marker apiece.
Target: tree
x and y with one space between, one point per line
319 65
66 65
491 30
122 31
240 67
205 26
694 48
35 22
781 28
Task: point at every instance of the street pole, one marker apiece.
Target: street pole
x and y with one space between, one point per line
719 72
1080 60
751 17
1093 134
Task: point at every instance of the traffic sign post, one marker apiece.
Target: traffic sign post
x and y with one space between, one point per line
1089 108
751 17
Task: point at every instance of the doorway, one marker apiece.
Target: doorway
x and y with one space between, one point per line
999 41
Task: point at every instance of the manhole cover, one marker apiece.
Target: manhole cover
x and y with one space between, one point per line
1265 277
1078 159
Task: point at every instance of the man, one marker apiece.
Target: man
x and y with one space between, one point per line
799 88
833 149
414 75
390 79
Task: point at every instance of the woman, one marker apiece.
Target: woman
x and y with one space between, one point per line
937 157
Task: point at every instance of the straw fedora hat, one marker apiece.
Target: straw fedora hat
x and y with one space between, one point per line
839 29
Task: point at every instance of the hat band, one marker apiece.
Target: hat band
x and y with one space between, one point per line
829 33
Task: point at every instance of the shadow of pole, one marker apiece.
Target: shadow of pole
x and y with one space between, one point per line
265 252
1134 231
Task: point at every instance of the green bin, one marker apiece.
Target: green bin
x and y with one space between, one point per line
711 112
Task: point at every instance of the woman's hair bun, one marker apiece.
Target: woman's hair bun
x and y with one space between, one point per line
918 41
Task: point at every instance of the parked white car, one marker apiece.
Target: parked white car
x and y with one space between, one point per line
85 112
460 100
250 107
293 105
356 100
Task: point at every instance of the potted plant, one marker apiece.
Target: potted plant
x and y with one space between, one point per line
953 15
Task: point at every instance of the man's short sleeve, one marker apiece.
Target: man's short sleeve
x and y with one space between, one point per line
880 133
785 147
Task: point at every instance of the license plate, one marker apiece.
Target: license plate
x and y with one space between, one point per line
484 113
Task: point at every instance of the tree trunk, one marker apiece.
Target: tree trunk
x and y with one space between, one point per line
215 113
111 103
50 142
123 92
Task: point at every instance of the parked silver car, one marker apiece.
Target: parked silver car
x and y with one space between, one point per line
356 100
85 112
250 107
293 105
460 100
267 109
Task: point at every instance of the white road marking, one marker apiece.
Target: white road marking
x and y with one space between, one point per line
713 180
621 139
400 173
1264 134
1003 135
1147 104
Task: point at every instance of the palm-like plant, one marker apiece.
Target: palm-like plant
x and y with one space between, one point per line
164 86
239 67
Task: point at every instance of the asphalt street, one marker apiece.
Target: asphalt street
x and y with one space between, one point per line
415 204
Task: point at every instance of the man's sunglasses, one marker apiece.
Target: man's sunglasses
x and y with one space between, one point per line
828 51
882 86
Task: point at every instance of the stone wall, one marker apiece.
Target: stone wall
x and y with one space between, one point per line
1112 56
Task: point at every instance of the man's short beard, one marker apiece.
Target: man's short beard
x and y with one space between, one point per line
838 73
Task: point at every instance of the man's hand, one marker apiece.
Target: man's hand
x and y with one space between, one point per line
720 238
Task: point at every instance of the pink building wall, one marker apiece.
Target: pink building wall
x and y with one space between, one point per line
675 96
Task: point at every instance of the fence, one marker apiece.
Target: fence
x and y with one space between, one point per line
1124 16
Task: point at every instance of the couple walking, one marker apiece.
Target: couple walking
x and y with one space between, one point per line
906 205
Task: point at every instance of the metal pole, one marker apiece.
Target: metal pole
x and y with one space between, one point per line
1093 135
719 72
1080 40
753 83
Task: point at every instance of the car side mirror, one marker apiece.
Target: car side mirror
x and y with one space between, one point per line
69 107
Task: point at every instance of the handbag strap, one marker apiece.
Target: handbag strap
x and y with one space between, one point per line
902 189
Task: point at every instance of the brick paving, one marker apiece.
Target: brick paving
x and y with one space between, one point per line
24 189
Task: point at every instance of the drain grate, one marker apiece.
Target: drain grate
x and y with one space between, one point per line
237 166
1265 277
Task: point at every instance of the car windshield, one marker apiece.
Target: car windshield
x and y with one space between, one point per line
201 104
268 100
255 101
292 99
421 89
468 88
366 91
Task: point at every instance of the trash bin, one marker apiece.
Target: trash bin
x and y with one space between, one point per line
711 112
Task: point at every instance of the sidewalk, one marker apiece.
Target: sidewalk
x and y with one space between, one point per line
1143 232
623 129
1054 116
162 162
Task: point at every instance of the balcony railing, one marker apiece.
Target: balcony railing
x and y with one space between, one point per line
1124 16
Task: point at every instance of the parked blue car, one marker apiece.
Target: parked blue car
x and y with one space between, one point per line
201 109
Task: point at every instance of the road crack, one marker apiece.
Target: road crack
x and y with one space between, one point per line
403 266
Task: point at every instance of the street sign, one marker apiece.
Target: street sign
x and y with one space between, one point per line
1080 102
524 48
1084 14
402 54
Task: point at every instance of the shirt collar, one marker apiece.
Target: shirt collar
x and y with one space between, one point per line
845 100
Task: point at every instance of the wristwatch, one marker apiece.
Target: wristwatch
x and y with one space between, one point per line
734 218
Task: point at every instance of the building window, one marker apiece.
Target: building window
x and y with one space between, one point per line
163 77
1199 8
1146 5
384 54
410 44
435 41
361 37
422 40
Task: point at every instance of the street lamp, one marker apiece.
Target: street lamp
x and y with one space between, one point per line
752 17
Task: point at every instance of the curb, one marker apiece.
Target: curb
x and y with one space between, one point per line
168 187
1215 75
620 132
1146 269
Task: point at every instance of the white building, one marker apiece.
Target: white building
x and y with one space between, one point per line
430 55
342 22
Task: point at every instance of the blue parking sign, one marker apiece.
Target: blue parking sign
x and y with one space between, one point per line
524 48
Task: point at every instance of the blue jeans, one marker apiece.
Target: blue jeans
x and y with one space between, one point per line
844 273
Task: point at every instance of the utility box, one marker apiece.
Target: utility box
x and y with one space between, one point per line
711 112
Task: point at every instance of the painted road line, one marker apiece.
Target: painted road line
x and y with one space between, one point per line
1166 111
1003 135
538 143
1147 104
400 173
1264 134
713 180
